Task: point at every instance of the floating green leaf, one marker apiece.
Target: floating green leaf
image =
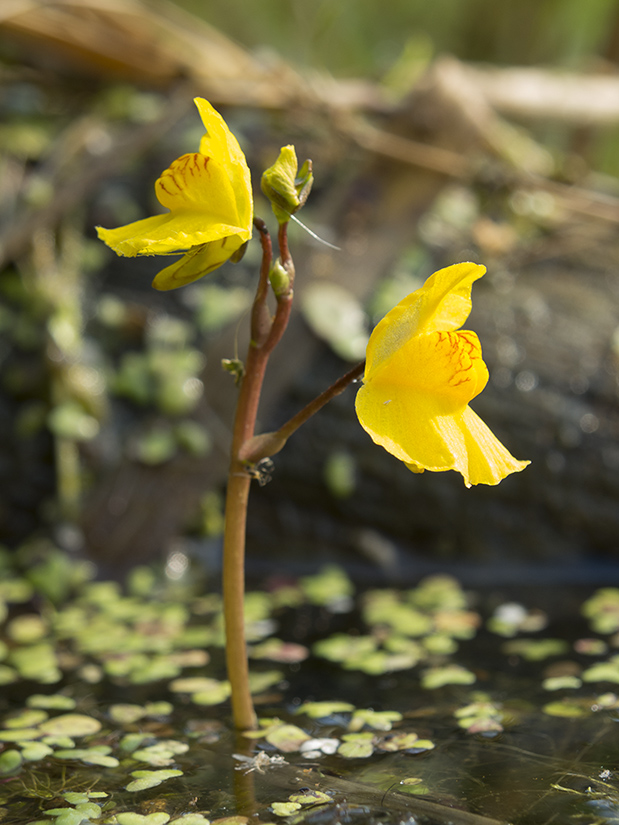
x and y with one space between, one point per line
310 797
403 741
287 738
27 628
55 701
70 724
157 818
99 755
126 714
330 588
562 683
437 677
150 779
259 682
26 719
602 610
9 762
357 745
320 710
35 751
534 650
602 672
162 753
285 808
19 734
377 720
568 710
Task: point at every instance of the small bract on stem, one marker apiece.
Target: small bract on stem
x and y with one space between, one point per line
419 376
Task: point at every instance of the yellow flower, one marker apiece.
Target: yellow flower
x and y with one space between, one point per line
421 372
208 194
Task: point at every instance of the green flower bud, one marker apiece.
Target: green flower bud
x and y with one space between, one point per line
279 278
286 189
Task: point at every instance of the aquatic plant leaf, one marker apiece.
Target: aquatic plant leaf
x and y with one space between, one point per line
439 592
385 607
37 662
259 682
35 751
70 724
150 779
126 714
214 696
58 741
162 753
567 709
343 648
534 650
437 677
67 816
287 738
602 672
156 818
192 819
320 710
26 719
19 734
285 808
480 717
357 745
591 647
7 675
56 701
193 684
439 645
602 610
310 797
562 683
75 798
132 741
278 651
329 588
26 629
231 820
403 741
10 761
15 591
377 720
90 756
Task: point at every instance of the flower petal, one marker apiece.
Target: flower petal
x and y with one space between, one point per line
220 143
167 234
197 183
442 303
445 364
419 430
199 261
415 406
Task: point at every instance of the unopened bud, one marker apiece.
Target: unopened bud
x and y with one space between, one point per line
286 189
279 278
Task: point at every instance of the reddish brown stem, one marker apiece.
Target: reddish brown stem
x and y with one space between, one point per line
265 336
268 444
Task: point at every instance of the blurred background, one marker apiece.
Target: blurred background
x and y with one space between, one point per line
456 130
